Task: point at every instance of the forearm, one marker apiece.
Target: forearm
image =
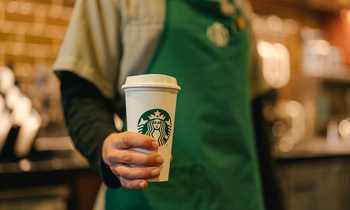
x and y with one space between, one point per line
89 118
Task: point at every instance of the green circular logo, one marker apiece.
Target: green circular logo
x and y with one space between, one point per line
155 123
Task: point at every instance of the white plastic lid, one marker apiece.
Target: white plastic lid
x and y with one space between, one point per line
151 81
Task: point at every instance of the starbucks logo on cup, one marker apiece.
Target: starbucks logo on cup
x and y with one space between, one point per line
155 123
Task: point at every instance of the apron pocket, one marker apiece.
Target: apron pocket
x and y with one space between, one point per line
188 186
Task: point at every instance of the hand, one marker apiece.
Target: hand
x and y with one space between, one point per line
116 154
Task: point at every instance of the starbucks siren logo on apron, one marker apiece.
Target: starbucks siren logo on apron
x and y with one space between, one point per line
155 123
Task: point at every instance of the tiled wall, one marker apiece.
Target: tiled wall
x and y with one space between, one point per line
31 32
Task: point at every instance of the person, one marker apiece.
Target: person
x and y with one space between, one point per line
208 47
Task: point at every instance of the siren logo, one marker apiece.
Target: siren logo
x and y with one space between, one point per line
157 124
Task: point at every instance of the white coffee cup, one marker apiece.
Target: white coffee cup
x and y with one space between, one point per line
150 110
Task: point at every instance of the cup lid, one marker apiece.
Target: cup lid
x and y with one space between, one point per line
151 80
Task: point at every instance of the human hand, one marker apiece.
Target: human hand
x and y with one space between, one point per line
116 154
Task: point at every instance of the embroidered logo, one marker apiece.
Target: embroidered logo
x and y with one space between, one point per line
218 34
155 123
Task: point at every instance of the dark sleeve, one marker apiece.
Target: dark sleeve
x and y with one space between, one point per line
89 118
272 191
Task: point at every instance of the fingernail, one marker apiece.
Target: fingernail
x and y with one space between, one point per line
142 185
155 144
154 173
159 160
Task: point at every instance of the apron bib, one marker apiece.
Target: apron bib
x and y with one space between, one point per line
214 160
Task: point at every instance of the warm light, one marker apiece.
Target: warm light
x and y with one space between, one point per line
332 133
6 26
38 29
279 129
26 8
274 23
21 110
286 144
67 13
322 47
5 126
294 134
291 26
296 111
292 108
311 47
12 6
56 11
13 94
345 16
276 63
25 165
17 48
33 123
265 49
7 79
2 104
344 128
283 65
56 164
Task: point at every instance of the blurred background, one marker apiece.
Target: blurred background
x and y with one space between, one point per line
304 46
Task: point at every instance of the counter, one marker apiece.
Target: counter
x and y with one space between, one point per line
315 175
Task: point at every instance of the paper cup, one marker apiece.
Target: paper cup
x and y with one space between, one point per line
150 110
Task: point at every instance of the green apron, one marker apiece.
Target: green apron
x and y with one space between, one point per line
214 160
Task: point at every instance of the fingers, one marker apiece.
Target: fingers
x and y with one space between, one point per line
131 139
117 154
134 158
133 177
133 172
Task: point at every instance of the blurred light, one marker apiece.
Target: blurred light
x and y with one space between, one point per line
322 47
332 133
12 6
45 120
291 26
311 47
292 108
259 24
56 163
40 10
274 23
26 134
283 65
17 48
265 49
21 110
294 134
38 29
26 8
276 63
296 111
56 11
2 104
7 79
49 30
6 26
344 128
279 129
25 165
67 13
33 123
269 113
286 144
345 16
5 126
12 97
26 70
